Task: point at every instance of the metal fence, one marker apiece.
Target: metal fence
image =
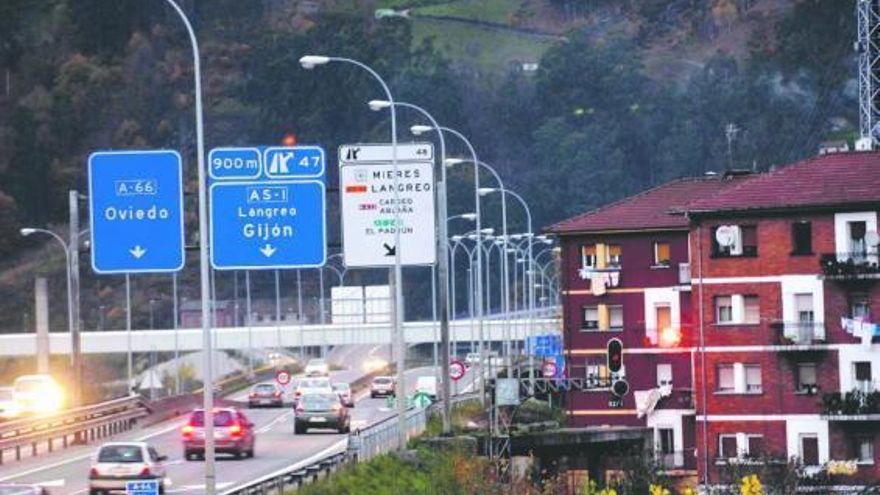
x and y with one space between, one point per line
382 437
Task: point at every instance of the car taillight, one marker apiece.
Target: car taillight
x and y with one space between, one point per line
337 407
93 473
253 394
277 393
298 393
187 430
299 409
145 471
235 430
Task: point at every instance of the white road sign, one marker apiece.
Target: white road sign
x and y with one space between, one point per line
368 214
382 153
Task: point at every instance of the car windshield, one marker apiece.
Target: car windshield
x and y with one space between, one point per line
17 490
265 387
121 453
6 394
33 385
221 418
341 387
382 381
319 402
316 362
314 383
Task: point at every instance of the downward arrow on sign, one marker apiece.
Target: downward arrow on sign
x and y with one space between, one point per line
389 250
268 250
137 251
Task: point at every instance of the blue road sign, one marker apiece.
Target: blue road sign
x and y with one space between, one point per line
265 225
147 487
234 163
545 345
297 162
136 209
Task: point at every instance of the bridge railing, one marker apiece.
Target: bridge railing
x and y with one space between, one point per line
74 426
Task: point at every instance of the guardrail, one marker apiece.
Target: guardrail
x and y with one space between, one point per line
79 425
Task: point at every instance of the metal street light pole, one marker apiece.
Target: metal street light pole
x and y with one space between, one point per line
208 398
309 62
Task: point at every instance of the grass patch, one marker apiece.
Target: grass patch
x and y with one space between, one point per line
428 473
462 414
476 46
494 11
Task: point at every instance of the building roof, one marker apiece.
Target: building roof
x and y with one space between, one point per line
655 209
831 180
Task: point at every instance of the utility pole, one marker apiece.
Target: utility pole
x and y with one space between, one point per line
730 132
73 259
868 48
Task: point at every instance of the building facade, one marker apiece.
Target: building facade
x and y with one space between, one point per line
745 305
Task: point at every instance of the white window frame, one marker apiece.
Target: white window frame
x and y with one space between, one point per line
801 438
860 442
746 384
591 258
664 374
726 455
658 263
726 390
718 307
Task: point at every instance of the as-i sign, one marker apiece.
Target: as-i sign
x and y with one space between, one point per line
370 214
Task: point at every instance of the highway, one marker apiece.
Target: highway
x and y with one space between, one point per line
66 472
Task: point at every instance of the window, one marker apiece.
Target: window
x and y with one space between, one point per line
753 378
723 309
726 381
613 255
862 373
598 376
727 447
857 246
803 304
666 442
860 306
755 446
663 313
749 240
661 254
591 318
588 256
809 452
615 319
862 449
806 378
801 238
664 374
751 313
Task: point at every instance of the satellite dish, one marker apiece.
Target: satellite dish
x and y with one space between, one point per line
872 238
725 235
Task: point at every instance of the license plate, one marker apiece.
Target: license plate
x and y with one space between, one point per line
318 420
218 435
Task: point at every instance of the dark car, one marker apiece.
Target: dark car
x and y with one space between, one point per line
265 394
17 489
233 434
321 411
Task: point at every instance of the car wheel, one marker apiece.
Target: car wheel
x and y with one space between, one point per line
250 453
93 491
372 395
161 489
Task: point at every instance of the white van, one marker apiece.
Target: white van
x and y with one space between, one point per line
428 385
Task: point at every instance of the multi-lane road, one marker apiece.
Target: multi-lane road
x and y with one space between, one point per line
66 472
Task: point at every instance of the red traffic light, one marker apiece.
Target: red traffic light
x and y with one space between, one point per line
615 355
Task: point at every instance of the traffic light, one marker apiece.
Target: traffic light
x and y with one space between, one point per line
615 355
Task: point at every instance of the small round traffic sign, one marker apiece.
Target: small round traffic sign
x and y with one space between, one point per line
457 370
548 369
282 377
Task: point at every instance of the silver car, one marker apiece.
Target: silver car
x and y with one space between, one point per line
117 463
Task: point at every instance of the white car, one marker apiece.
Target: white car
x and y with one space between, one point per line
8 406
428 385
472 359
307 386
117 463
38 394
317 367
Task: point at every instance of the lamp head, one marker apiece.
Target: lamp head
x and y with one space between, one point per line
486 190
418 130
469 216
376 105
310 61
451 162
26 231
488 231
456 238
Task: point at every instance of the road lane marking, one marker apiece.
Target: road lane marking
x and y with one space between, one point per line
53 483
274 422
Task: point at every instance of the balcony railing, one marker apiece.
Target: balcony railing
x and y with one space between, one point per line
680 459
852 265
857 404
799 333
684 273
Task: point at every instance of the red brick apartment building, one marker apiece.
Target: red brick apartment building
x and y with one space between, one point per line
744 304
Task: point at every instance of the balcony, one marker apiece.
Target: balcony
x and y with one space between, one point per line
857 405
799 333
684 273
680 459
850 266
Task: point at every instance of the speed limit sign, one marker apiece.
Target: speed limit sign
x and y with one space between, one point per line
548 369
282 377
457 370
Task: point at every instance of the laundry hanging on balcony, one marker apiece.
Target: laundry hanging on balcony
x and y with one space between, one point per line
862 329
646 400
600 280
